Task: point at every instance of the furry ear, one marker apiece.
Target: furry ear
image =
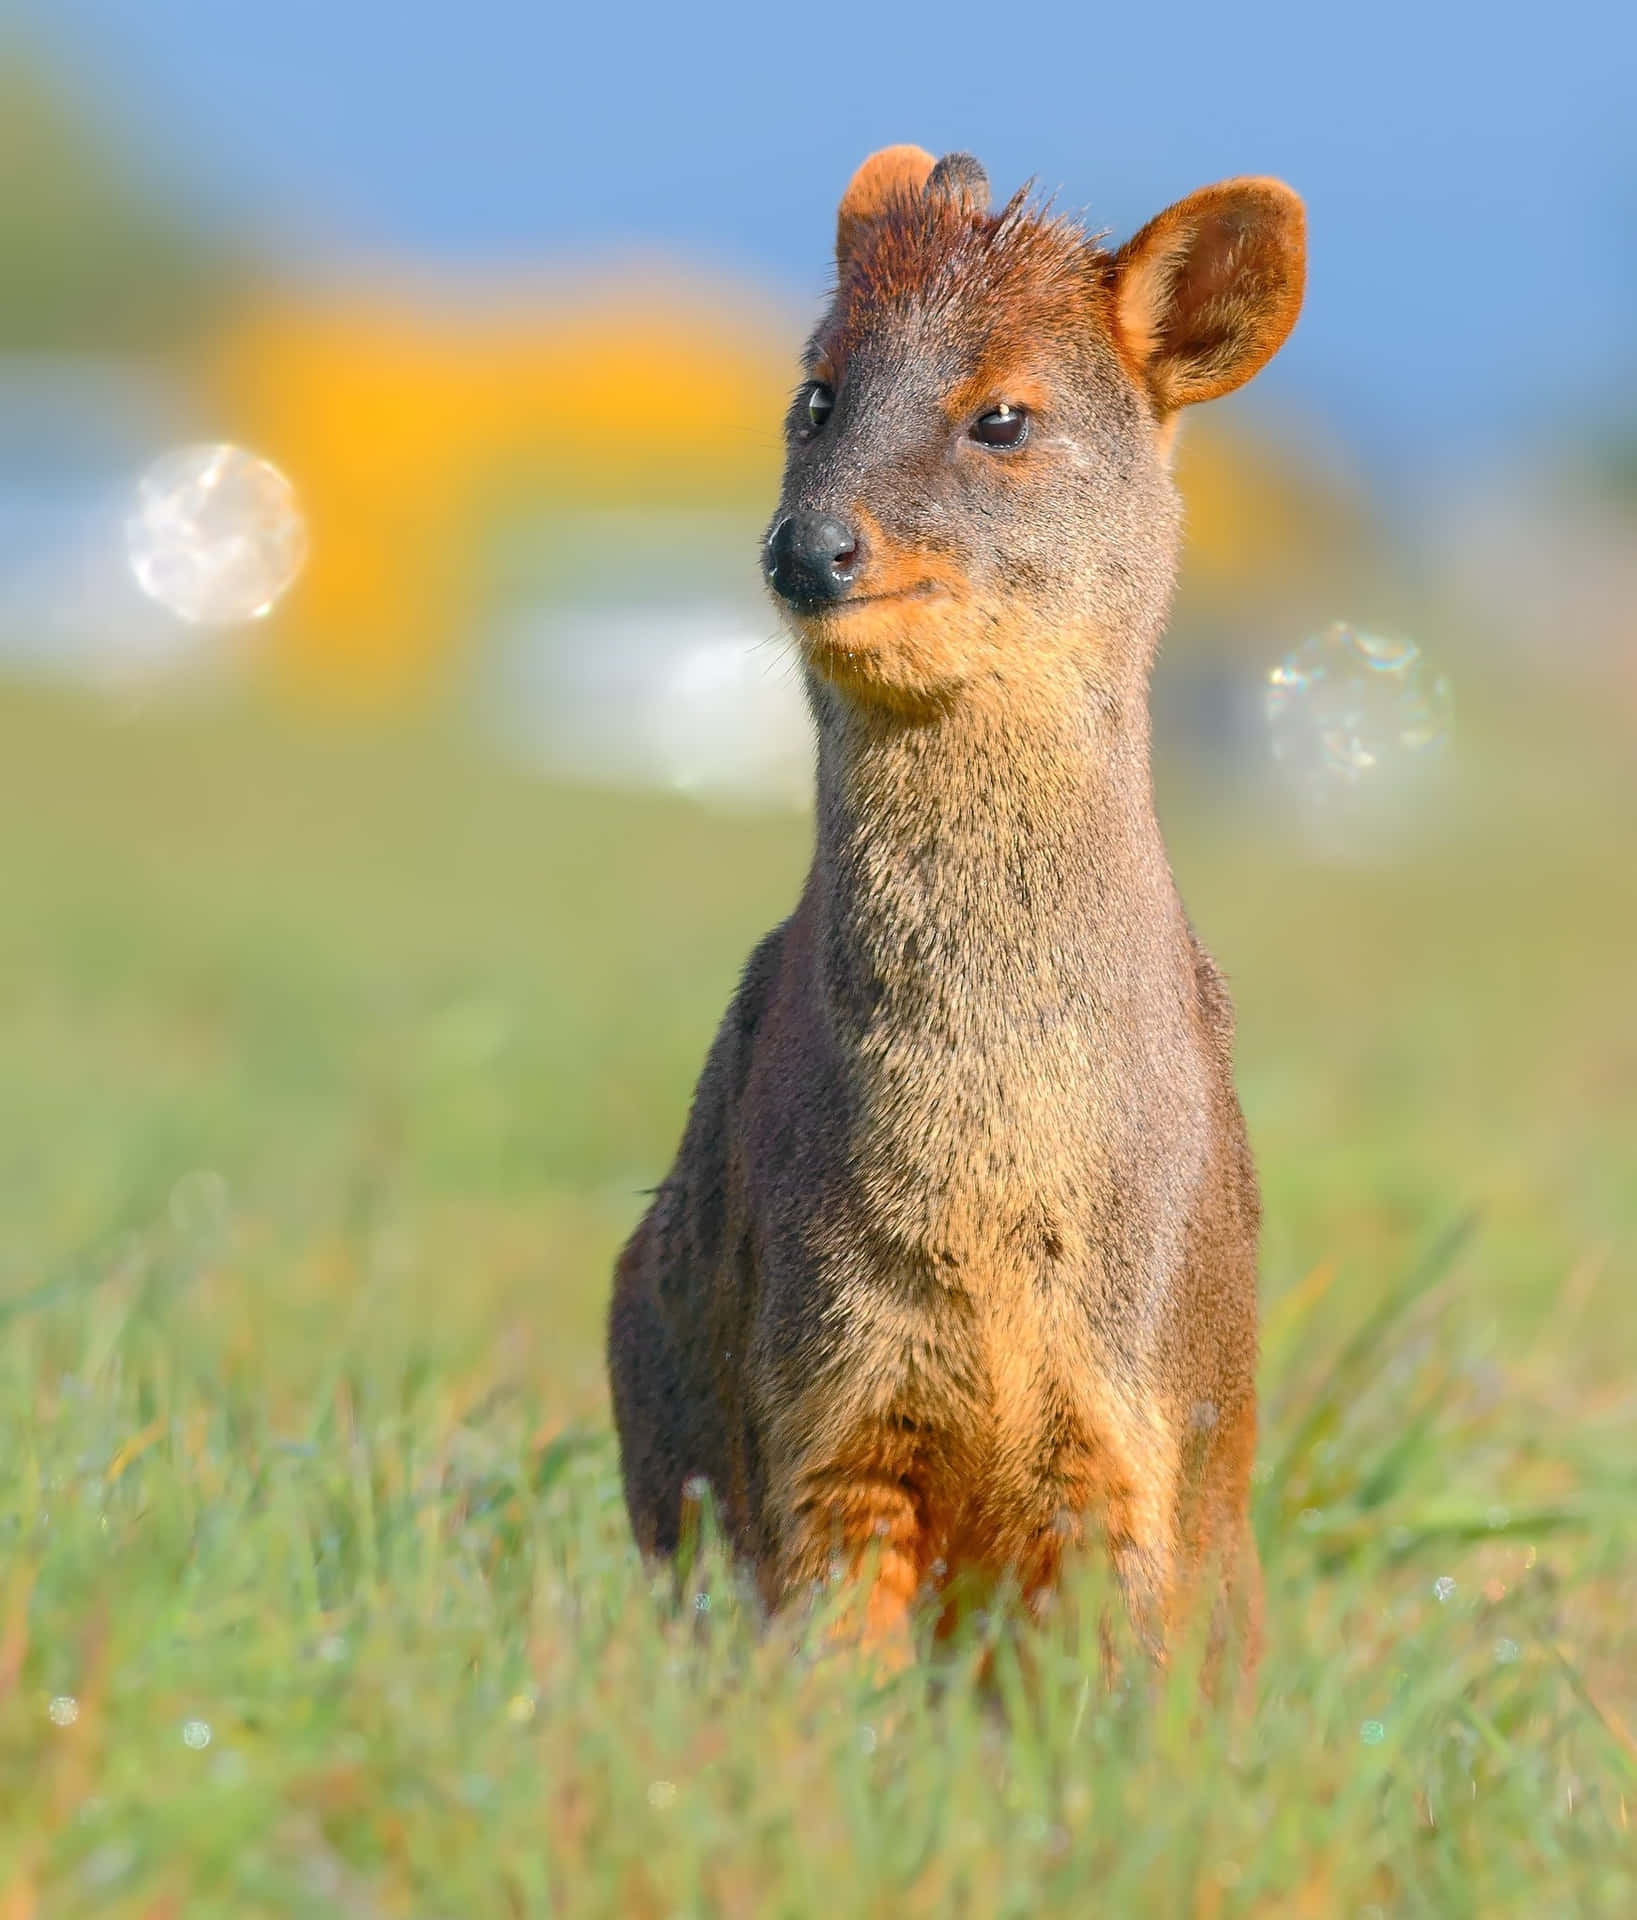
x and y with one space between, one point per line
1206 294
895 173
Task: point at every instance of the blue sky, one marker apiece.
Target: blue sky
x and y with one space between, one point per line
1471 172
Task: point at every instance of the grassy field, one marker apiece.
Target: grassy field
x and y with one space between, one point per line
330 1071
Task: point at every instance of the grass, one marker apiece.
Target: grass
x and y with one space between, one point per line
333 1068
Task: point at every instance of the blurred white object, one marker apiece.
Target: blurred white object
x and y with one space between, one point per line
702 700
217 535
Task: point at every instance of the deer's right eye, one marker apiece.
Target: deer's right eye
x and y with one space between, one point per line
1002 426
821 403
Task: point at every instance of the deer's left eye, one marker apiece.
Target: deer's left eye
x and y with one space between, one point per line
820 405
1002 426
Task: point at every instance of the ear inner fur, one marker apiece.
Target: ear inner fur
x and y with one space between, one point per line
893 173
1209 290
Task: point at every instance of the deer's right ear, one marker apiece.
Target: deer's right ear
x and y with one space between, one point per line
895 173
1207 292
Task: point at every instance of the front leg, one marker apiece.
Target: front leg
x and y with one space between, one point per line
867 1528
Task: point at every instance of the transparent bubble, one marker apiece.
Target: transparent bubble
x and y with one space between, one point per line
661 1793
1355 721
64 1710
196 1734
1372 1733
1506 1651
216 535
1444 1588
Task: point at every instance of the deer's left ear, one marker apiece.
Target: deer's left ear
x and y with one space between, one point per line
892 173
1206 294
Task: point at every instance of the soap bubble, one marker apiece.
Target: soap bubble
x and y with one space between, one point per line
217 535
1354 720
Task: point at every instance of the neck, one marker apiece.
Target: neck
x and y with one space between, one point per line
988 871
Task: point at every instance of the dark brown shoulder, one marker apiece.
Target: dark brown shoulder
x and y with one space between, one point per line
690 1213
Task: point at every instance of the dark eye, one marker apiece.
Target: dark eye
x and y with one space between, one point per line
1002 426
820 404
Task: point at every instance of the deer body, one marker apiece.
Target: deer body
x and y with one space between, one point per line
956 1266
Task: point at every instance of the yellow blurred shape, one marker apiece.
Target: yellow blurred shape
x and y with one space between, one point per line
1260 517
409 427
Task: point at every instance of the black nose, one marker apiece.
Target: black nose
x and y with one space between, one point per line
811 559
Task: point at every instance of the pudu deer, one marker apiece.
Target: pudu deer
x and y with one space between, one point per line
956 1267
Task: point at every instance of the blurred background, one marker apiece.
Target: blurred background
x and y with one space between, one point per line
382 830
514 771
514 302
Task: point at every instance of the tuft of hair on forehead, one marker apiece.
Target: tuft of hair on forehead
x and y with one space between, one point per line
936 248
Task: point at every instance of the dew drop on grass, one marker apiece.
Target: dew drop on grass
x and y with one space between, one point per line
1443 1588
64 1710
196 1734
215 535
